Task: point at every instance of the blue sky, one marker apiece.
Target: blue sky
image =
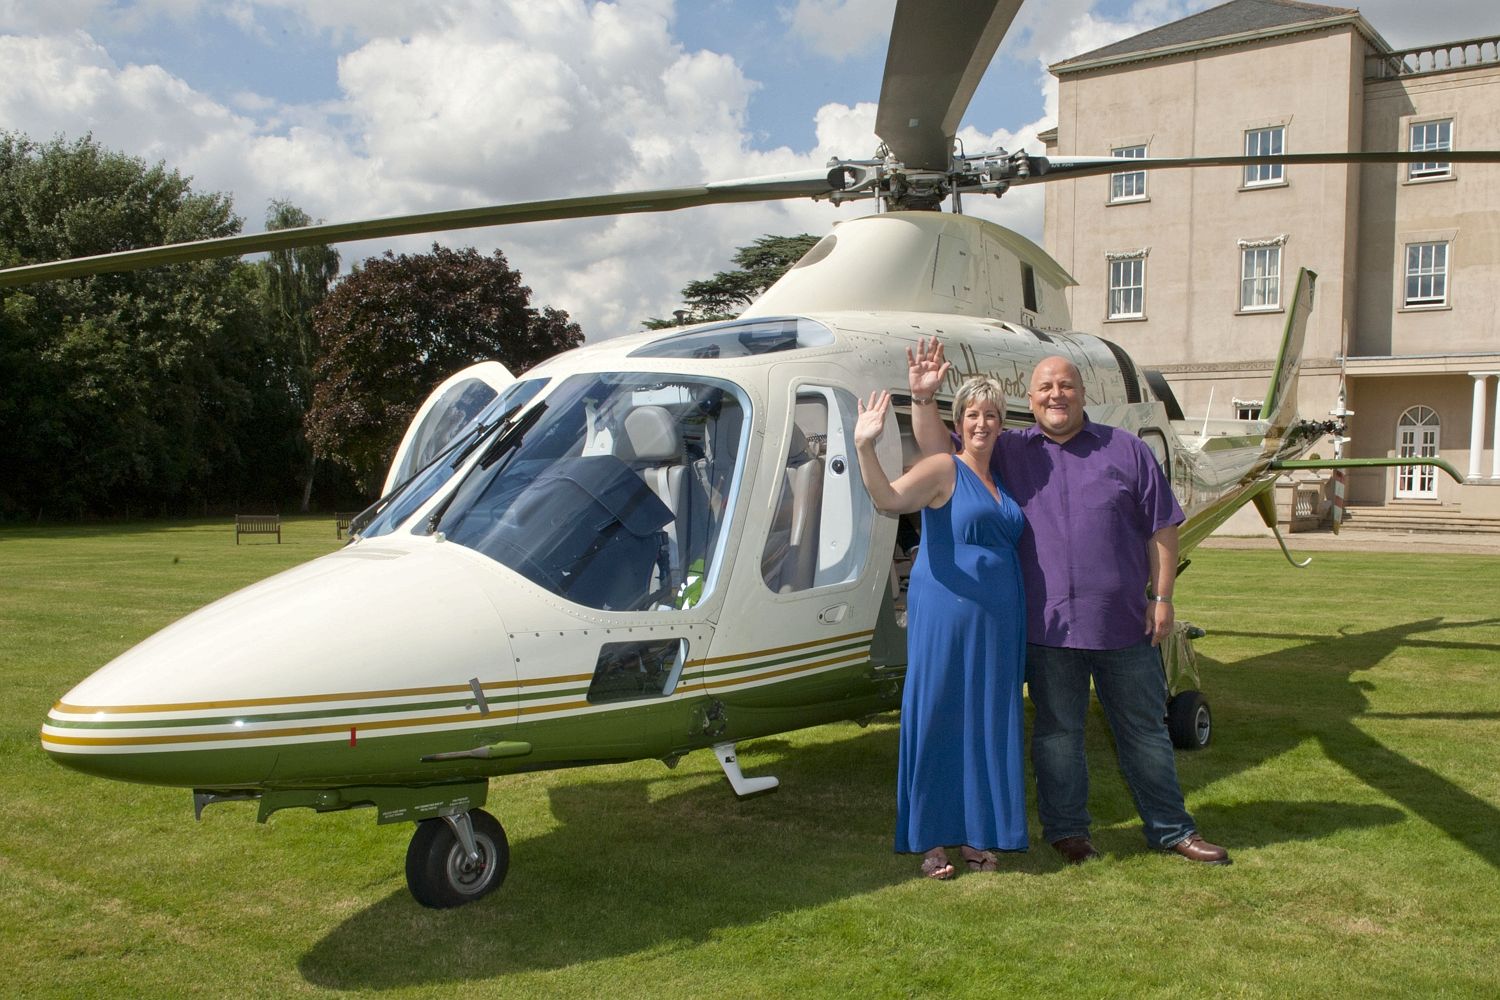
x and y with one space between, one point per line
367 108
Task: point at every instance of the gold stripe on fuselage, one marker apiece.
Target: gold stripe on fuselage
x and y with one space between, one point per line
242 734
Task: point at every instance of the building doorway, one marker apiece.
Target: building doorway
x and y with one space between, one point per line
1417 437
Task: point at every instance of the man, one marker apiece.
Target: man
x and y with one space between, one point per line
1101 526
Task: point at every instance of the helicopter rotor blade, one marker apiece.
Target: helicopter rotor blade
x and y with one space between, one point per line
1058 168
769 188
936 58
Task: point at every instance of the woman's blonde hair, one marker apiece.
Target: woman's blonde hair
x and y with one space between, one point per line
978 389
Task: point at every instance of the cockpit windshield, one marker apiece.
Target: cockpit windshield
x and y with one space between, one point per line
418 489
615 497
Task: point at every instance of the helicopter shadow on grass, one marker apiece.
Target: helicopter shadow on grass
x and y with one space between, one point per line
1269 704
622 874
625 871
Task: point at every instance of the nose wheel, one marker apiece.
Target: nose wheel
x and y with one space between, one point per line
456 859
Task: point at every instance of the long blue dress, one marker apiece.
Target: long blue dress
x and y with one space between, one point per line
959 780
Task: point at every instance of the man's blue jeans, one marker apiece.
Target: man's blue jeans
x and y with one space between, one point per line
1133 690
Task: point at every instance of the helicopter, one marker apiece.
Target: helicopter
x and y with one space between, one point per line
659 543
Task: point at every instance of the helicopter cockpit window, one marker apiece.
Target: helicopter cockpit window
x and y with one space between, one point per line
418 489
820 526
458 408
615 495
740 339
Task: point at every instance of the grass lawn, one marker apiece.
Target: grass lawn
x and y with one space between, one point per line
1355 776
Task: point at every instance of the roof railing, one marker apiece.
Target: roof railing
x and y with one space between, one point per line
1467 54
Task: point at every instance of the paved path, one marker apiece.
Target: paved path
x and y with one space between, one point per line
1367 541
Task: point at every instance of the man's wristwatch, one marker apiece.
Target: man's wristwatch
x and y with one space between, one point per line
1160 600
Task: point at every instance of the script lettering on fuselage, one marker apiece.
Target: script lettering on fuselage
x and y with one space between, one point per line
1016 382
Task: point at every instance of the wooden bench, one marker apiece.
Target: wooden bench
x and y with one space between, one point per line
257 524
341 523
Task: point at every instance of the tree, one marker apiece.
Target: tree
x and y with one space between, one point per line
757 267
396 326
122 391
296 281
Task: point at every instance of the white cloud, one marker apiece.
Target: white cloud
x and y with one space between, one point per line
462 102
841 28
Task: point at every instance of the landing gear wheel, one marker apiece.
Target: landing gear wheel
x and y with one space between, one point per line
439 871
1189 720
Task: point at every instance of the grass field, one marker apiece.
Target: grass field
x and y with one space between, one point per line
1355 775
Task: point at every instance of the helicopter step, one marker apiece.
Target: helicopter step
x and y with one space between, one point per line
743 786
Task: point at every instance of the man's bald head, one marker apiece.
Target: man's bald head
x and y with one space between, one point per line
1056 398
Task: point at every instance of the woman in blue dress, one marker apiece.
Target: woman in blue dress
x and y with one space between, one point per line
959 780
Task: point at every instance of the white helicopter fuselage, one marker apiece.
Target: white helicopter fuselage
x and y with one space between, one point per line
664 545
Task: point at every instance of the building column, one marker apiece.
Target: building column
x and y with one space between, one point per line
1495 450
1476 423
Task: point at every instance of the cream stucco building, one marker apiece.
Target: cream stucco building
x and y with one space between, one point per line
1190 270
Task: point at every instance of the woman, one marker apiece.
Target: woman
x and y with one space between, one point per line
960 777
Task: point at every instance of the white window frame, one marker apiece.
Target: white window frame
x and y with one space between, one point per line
1128 185
1258 280
1127 288
1418 431
1248 409
1269 140
1436 134
1425 274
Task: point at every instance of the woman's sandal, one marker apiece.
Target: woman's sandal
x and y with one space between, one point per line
936 865
980 861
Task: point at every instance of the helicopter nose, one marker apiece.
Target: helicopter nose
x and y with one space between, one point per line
380 638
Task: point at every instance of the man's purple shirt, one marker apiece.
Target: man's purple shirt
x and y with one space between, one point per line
1091 506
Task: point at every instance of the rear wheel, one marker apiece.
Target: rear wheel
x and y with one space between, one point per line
1189 721
439 871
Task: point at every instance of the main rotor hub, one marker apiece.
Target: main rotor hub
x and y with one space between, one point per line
905 189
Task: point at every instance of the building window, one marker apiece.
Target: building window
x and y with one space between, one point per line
1248 409
1260 278
1265 142
1427 274
1417 437
1130 185
1127 288
1431 136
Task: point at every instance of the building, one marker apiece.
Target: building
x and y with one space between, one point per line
1190 270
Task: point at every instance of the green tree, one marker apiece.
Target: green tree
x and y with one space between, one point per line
396 326
296 281
757 267
122 391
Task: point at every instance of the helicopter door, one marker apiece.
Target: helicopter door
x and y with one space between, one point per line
809 620
445 414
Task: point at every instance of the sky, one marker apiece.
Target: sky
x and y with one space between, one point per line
355 109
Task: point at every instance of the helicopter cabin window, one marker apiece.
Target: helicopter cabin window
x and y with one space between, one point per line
629 670
821 516
1432 136
612 492
1426 275
1127 288
1157 442
1128 185
1260 278
1265 142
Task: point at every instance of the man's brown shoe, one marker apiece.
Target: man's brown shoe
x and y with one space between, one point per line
1195 848
1076 850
